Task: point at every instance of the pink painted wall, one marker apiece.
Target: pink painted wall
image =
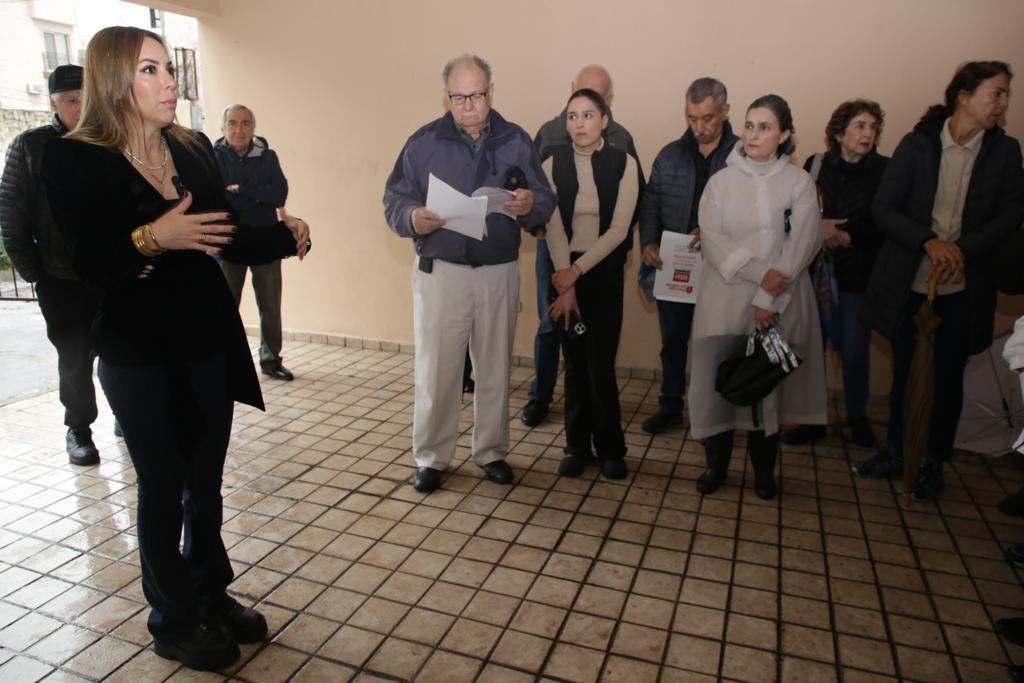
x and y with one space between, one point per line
337 87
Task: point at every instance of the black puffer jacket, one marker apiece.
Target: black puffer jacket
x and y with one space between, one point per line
847 190
994 208
668 196
30 236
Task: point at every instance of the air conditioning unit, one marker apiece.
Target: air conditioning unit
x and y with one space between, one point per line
36 88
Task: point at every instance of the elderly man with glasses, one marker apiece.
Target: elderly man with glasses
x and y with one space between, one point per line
465 291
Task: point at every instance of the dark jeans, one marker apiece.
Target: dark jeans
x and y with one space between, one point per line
950 362
266 285
176 421
545 344
856 355
675 319
69 308
591 389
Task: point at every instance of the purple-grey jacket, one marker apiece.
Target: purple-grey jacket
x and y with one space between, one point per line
439 148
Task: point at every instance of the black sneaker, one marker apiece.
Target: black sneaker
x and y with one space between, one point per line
659 422
886 464
804 434
81 449
534 413
202 649
1015 555
930 481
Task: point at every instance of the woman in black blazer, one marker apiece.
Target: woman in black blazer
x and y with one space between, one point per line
142 204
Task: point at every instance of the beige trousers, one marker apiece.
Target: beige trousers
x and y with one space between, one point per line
456 307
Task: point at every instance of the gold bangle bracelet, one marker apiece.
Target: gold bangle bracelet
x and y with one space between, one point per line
147 230
138 239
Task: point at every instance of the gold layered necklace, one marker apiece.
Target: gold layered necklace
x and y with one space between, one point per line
158 172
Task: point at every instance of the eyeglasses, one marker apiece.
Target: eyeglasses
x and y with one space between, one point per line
476 98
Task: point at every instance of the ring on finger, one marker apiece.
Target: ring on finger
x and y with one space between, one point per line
202 239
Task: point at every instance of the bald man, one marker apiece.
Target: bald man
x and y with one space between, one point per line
545 346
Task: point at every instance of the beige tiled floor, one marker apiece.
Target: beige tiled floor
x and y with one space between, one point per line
360 576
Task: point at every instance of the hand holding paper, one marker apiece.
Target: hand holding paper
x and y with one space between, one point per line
464 215
679 277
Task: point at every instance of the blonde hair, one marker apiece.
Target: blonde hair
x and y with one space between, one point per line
109 109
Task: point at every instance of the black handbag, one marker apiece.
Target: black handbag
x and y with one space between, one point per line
755 368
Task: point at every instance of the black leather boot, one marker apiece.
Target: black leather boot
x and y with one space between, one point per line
718 452
764 451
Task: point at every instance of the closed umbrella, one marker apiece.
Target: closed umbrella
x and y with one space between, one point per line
920 392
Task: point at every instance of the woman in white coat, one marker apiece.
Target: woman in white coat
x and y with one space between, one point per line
759 224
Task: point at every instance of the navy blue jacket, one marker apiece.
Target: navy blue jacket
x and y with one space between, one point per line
668 196
440 148
262 187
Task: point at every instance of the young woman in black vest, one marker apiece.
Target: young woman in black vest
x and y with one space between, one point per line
598 188
141 202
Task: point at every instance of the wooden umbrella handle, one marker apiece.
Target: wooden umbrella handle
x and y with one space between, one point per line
933 285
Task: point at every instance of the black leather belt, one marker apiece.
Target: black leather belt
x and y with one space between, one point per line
426 263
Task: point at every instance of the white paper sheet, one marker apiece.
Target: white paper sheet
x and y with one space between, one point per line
496 198
464 215
679 276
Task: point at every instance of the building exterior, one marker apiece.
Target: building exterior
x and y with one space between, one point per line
40 35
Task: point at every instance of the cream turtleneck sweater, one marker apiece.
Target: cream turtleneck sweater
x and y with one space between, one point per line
586 237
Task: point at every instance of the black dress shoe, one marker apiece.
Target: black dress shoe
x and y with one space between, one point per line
798 436
202 649
243 624
81 449
426 479
534 413
118 432
279 372
660 421
468 386
498 471
1012 629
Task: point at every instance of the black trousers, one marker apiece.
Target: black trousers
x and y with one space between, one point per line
950 363
69 308
591 390
176 421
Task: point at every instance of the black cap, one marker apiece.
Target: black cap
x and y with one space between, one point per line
66 77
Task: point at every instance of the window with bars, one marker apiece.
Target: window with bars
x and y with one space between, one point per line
58 50
185 66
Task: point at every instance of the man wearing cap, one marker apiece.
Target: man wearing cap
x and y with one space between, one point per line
40 255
